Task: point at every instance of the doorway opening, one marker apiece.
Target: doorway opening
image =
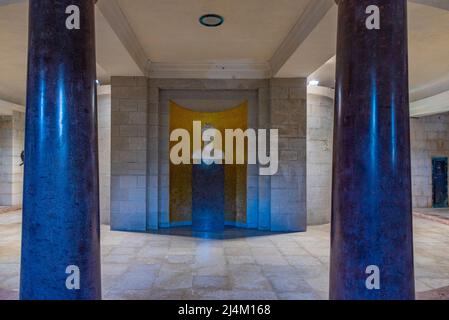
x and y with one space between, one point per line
439 182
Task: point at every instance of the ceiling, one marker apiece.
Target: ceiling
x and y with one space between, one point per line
429 48
299 36
318 47
112 57
428 53
13 60
168 30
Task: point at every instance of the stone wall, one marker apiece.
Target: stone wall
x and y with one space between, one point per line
129 153
139 155
18 144
429 138
104 155
288 113
12 135
5 160
320 123
11 146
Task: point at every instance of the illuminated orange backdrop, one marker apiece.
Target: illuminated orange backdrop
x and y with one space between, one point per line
181 175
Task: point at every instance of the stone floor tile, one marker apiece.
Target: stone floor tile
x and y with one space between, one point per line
293 266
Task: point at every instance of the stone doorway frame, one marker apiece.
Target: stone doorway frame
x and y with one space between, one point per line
258 187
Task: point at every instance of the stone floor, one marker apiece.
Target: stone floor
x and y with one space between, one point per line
5 209
439 215
179 265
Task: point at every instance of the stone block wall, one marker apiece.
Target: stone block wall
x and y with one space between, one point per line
129 153
429 139
104 156
139 154
264 182
5 160
320 123
18 145
288 112
12 136
11 146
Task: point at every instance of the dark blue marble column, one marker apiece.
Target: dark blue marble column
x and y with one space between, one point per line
60 211
208 200
371 207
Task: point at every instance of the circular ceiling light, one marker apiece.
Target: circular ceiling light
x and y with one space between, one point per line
211 20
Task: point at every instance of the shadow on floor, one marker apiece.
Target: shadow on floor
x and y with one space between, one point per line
228 234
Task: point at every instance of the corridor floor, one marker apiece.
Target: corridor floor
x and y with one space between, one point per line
269 266
439 215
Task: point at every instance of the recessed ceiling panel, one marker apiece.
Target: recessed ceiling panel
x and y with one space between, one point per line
169 30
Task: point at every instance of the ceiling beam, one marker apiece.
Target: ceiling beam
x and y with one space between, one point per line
321 91
114 15
441 4
8 108
310 18
219 70
430 88
117 20
430 106
436 104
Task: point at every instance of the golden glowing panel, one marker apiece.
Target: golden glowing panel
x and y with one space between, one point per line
181 175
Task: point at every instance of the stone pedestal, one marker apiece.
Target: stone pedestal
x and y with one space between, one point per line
208 199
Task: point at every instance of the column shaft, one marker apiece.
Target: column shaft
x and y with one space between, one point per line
371 206
61 202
